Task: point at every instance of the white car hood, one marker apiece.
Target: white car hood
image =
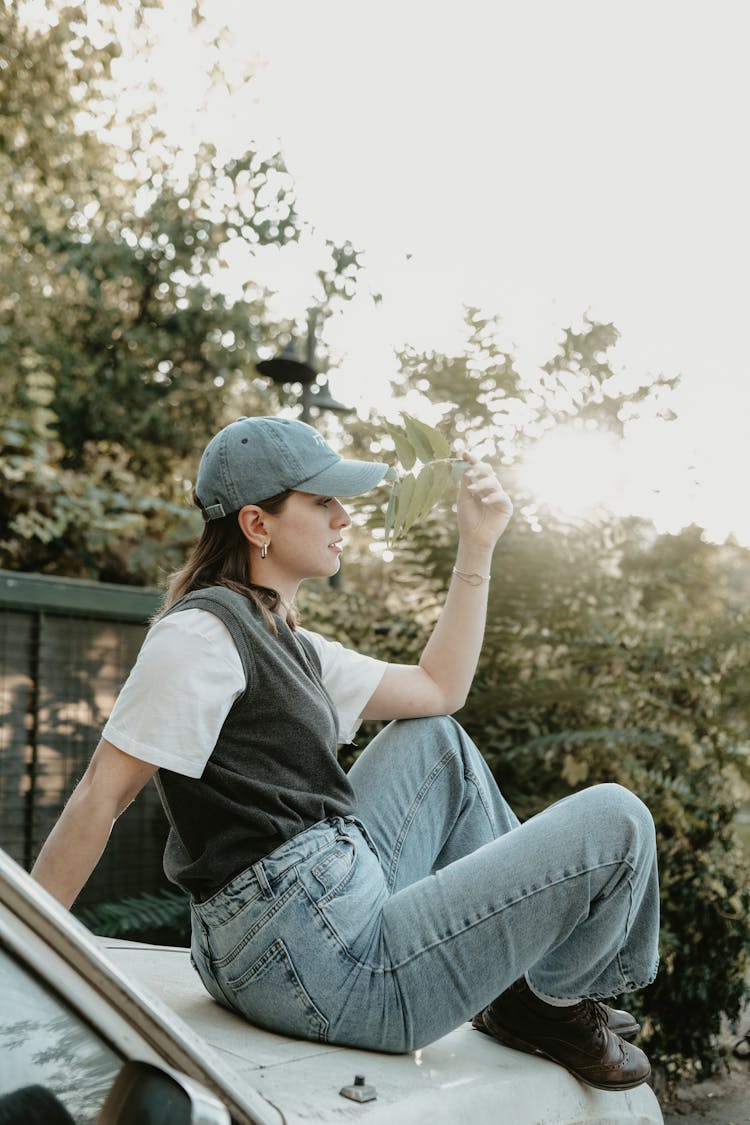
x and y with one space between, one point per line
464 1076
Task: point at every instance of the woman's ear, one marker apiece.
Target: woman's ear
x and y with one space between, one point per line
250 518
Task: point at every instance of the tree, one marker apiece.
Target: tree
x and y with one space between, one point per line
118 350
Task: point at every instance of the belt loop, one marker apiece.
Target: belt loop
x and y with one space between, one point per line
260 874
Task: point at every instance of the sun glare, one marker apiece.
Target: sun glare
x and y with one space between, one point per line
580 474
576 473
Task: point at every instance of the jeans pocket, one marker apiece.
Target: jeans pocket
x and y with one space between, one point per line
346 887
269 992
332 869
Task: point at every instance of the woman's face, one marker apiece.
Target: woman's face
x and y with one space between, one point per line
305 540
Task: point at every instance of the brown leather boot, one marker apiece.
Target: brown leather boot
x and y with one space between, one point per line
622 1023
576 1036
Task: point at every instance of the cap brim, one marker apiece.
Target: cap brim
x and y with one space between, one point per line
345 478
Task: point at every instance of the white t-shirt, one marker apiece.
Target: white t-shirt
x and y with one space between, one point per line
189 673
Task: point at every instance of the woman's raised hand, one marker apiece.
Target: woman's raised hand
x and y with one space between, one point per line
484 507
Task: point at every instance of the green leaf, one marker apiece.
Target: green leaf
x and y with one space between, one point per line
405 451
427 437
412 498
419 440
428 488
404 490
390 513
441 478
422 490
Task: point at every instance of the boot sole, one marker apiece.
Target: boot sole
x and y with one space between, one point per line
509 1040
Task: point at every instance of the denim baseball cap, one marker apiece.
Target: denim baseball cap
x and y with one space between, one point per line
254 459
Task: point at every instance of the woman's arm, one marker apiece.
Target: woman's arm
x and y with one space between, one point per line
75 845
439 684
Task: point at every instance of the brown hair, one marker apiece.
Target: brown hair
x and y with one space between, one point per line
221 557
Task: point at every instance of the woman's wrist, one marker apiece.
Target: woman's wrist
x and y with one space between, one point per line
473 567
471 578
473 558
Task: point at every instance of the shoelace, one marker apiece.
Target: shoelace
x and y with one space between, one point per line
595 1013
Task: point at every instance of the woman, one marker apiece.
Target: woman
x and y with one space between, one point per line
382 907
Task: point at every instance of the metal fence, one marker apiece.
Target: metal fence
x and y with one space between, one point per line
66 647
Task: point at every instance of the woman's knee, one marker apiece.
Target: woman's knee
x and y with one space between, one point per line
619 798
436 733
442 725
447 738
617 806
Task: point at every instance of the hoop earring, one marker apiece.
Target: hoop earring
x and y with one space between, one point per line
264 550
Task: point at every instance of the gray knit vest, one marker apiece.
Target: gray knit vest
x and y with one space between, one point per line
273 771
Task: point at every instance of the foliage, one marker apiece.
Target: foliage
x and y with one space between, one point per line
412 497
624 681
162 917
119 352
483 393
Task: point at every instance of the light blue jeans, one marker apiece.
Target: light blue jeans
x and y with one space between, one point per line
388 930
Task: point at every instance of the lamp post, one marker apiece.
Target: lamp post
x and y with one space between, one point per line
288 367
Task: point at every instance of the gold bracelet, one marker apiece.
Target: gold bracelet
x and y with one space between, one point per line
471 579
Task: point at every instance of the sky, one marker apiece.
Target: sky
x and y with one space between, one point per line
544 160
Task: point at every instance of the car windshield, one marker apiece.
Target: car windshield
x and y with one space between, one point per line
43 1042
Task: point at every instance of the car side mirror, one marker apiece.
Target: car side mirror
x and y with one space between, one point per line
33 1105
143 1094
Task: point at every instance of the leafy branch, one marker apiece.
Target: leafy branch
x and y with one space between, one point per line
415 493
131 916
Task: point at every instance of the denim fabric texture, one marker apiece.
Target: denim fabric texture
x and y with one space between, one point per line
389 929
